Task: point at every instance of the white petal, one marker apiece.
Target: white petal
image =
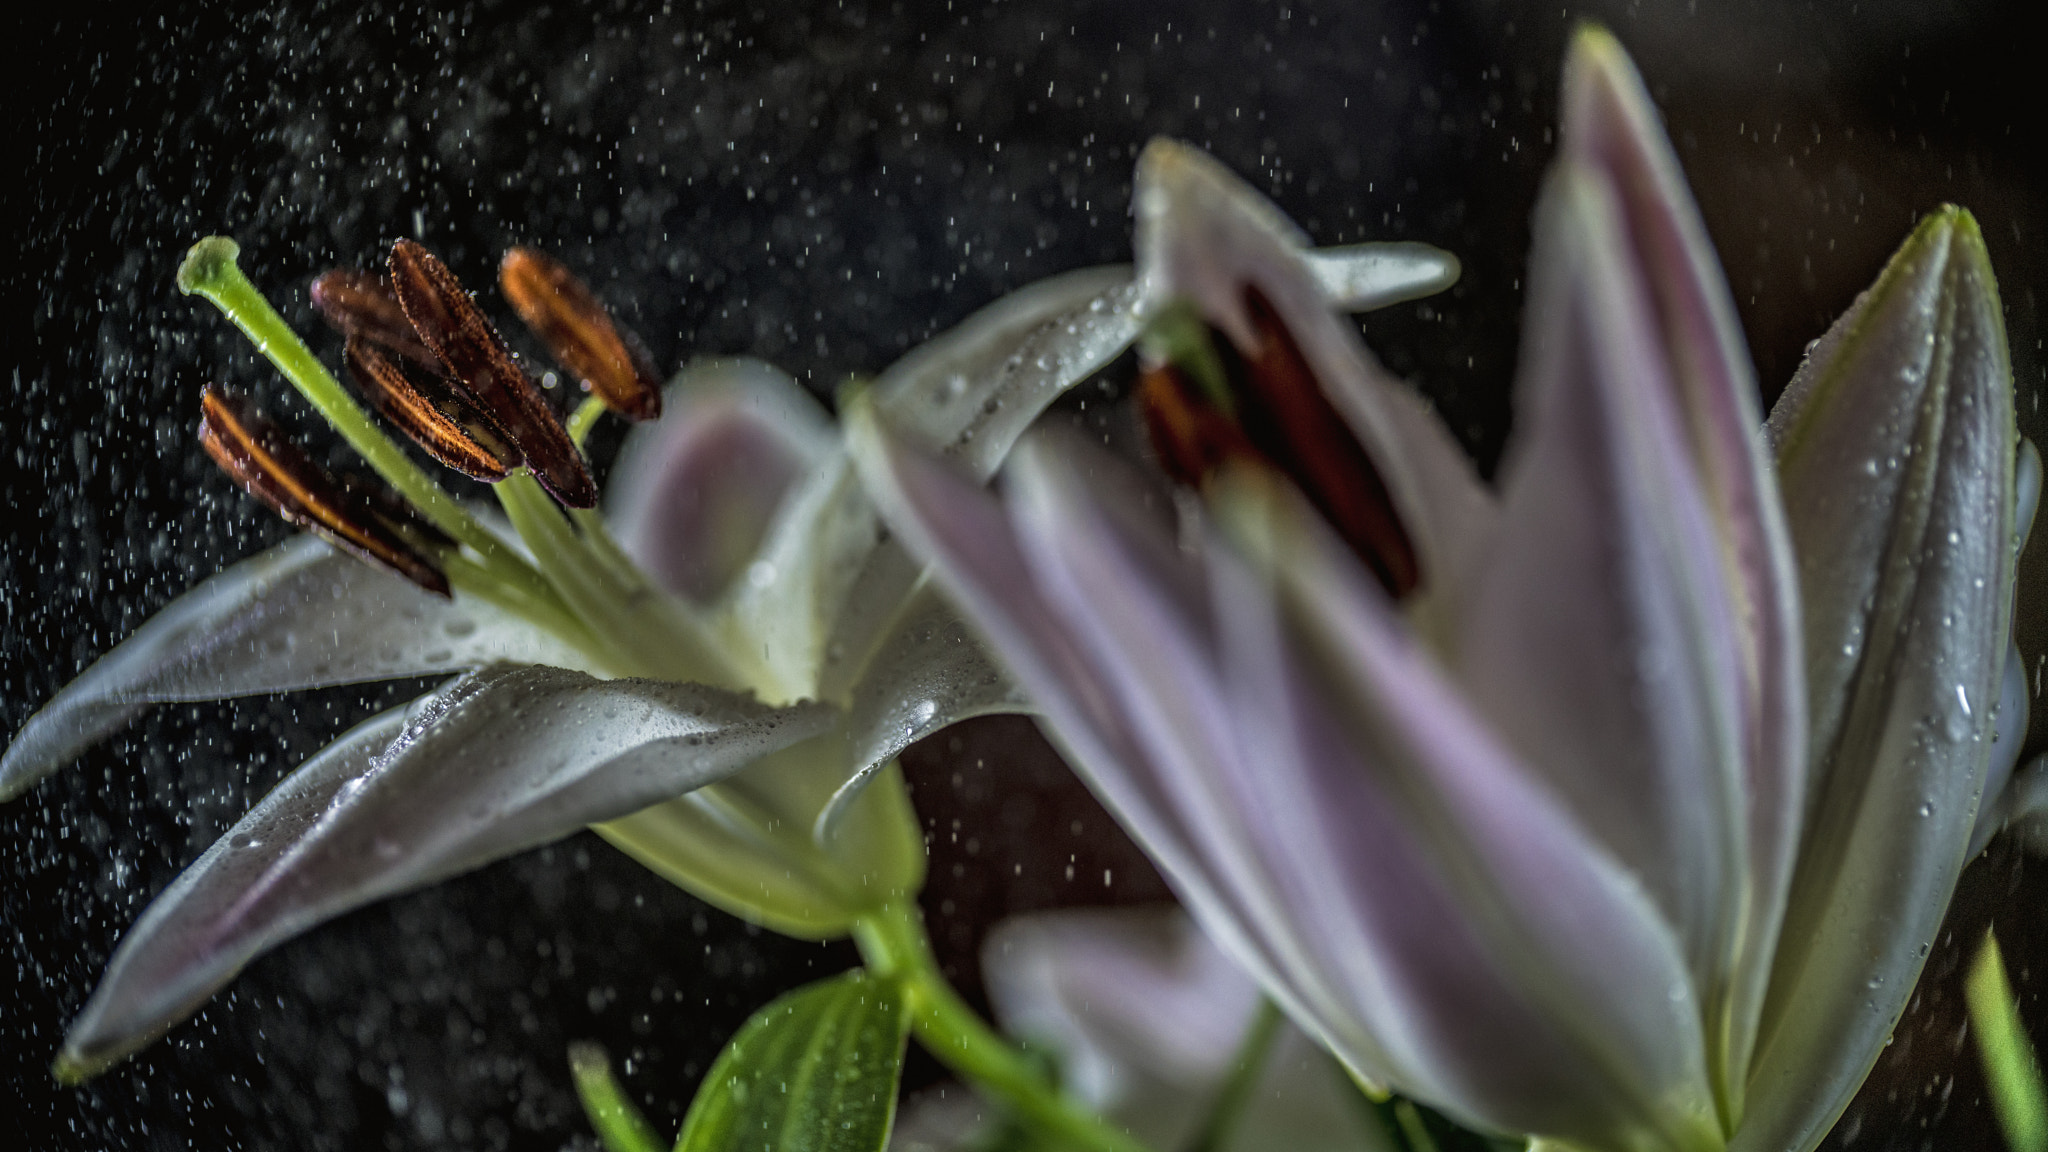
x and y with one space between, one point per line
298 616
973 390
693 492
505 759
1602 639
930 672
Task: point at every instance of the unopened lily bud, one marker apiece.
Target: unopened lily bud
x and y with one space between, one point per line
1895 451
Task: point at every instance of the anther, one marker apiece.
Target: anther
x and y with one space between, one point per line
1297 425
449 322
1204 402
362 304
427 407
358 517
580 334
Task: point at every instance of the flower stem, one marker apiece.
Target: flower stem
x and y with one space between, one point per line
210 271
1228 1107
892 940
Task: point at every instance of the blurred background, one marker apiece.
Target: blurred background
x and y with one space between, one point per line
823 185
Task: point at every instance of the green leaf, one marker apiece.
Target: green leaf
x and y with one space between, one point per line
2010 1070
611 1111
815 1071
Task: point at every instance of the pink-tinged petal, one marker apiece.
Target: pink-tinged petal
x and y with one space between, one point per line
1521 974
1147 1017
1206 236
506 759
1610 126
943 516
1895 451
1138 610
298 616
1602 639
694 492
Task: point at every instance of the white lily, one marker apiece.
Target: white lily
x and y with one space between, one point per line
1618 806
749 561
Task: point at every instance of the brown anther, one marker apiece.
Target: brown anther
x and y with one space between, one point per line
1294 423
580 334
362 304
427 407
1191 438
360 518
450 324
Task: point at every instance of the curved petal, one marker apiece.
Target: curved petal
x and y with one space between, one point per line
1424 848
781 614
929 673
1602 638
693 492
505 759
1206 236
1380 274
948 520
973 390
1610 126
1895 449
300 615
1147 1017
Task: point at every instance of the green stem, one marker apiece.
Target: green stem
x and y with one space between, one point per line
210 270
1236 1091
893 942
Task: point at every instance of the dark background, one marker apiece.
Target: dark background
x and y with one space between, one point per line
821 184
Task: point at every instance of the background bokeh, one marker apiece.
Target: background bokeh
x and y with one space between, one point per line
822 184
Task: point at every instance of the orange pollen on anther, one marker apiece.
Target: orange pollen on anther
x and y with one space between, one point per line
427 407
580 333
259 457
449 322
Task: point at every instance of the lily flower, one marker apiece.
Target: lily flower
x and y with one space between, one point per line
1150 1025
717 674
1618 805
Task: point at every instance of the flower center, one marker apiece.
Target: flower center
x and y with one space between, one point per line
1207 403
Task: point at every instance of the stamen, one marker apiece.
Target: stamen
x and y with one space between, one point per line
1205 402
359 517
580 333
1191 437
427 407
1294 422
363 304
450 324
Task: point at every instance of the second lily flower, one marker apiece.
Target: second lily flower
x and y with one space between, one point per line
1617 806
